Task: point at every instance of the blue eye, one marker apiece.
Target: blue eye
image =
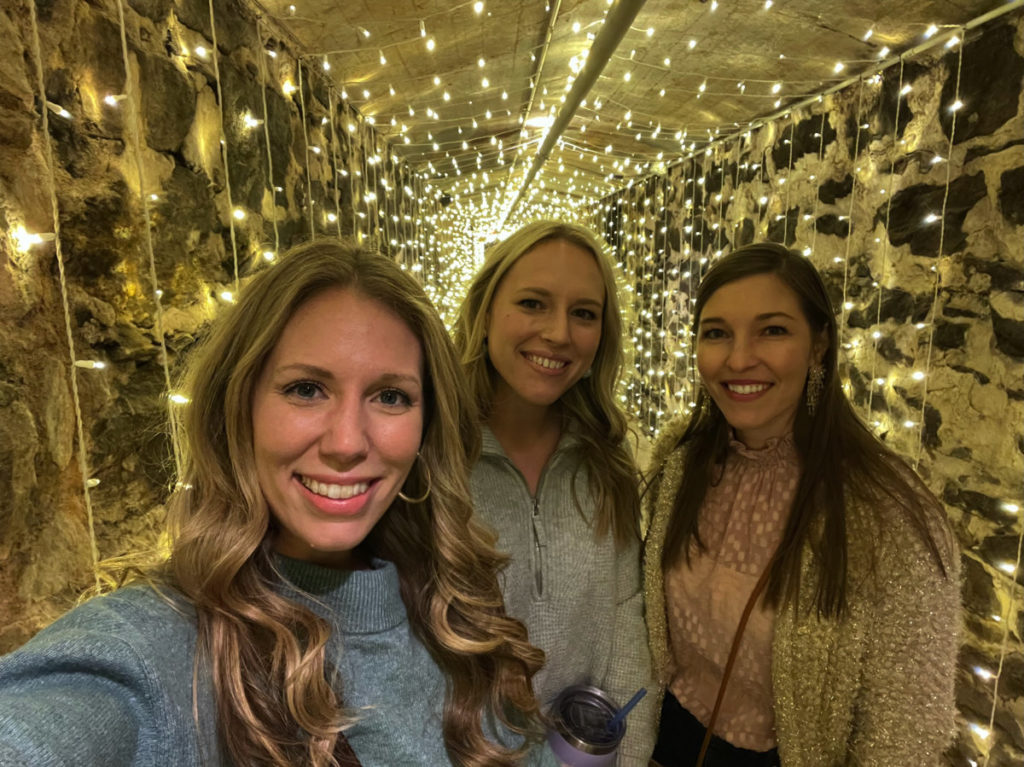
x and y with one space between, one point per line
394 398
304 390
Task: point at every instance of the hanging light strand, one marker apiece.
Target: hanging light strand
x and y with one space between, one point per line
938 256
306 147
789 186
134 127
849 213
885 247
335 166
51 184
266 140
215 55
1007 621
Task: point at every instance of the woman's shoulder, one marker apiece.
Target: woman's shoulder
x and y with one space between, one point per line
137 619
667 441
115 672
901 522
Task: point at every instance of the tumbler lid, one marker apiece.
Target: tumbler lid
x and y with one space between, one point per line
581 714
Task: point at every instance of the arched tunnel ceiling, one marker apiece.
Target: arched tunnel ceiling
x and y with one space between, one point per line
467 85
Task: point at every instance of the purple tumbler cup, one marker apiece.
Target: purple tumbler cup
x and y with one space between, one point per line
580 735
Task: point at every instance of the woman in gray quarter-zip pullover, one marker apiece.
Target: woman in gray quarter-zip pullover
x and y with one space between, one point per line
539 336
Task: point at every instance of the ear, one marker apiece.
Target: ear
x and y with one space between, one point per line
819 346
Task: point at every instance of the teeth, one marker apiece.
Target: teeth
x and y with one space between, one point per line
747 388
545 362
335 491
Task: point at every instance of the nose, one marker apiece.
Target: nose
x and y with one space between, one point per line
742 354
556 328
345 439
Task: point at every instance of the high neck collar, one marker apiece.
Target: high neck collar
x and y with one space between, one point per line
776 450
491 445
363 601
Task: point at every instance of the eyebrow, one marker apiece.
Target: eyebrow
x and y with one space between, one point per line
759 318
544 293
315 371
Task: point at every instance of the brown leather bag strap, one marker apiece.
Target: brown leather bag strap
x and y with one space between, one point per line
733 651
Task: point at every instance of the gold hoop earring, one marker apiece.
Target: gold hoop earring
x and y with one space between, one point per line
426 494
815 383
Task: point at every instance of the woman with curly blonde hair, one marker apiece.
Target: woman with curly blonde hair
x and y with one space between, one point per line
328 599
541 341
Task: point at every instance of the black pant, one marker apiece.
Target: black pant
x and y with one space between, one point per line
680 737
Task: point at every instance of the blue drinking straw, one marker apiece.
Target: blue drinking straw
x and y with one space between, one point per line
626 709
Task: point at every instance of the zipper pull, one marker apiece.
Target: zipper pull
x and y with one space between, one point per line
538 528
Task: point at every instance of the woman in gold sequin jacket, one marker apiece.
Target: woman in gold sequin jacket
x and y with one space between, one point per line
773 498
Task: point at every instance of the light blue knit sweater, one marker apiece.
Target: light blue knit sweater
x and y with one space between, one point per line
110 683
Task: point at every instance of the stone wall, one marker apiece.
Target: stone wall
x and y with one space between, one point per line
156 231
918 227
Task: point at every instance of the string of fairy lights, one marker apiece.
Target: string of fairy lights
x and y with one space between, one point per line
667 214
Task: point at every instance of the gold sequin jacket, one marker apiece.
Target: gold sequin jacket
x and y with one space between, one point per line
874 688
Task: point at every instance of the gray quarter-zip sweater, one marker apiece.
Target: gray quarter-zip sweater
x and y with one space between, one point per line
580 598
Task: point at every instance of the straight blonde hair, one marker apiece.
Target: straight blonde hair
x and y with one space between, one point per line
590 403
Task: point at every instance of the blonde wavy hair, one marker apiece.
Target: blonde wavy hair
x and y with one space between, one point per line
266 653
590 403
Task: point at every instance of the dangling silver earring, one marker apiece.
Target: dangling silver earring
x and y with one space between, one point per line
587 373
426 494
815 384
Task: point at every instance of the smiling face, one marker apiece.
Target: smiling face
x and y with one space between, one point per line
337 418
544 324
754 349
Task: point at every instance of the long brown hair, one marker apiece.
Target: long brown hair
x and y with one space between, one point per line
840 459
266 652
590 402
